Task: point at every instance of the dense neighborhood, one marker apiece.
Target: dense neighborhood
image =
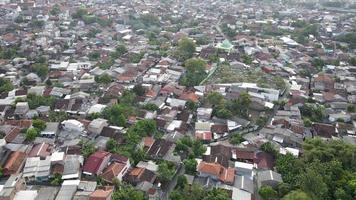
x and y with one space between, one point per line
177 99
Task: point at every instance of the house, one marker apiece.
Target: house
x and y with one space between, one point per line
217 172
68 190
26 194
204 114
104 193
244 183
36 169
269 177
117 169
161 149
13 184
72 167
51 130
138 175
244 155
21 109
14 163
41 150
324 130
264 160
96 163
323 82
72 125
97 125
219 154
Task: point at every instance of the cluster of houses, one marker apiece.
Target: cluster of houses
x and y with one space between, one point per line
53 165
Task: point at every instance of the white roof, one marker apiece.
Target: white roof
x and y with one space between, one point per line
26 194
174 124
71 182
97 108
244 165
238 194
73 122
294 152
57 156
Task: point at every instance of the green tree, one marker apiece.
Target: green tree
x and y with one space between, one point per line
236 138
5 85
127 193
268 147
289 167
195 72
186 48
103 79
191 105
94 56
56 10
57 116
150 106
165 171
117 114
87 148
120 50
190 166
139 90
39 124
35 101
296 195
312 183
40 69
31 134
241 105
267 193
56 180
351 108
112 145
352 61
128 97
181 182
215 98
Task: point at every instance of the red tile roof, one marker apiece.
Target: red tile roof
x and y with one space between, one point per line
226 175
94 161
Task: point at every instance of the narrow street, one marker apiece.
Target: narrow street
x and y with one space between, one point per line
166 191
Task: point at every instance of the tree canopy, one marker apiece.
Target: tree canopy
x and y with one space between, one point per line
325 171
195 72
5 85
186 48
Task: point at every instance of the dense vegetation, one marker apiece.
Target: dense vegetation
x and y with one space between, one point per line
228 108
195 72
327 170
5 85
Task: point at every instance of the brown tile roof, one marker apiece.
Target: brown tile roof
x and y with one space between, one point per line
226 175
264 160
102 194
160 148
219 128
40 150
11 135
189 96
205 136
112 171
245 154
23 123
323 130
139 174
14 162
148 141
